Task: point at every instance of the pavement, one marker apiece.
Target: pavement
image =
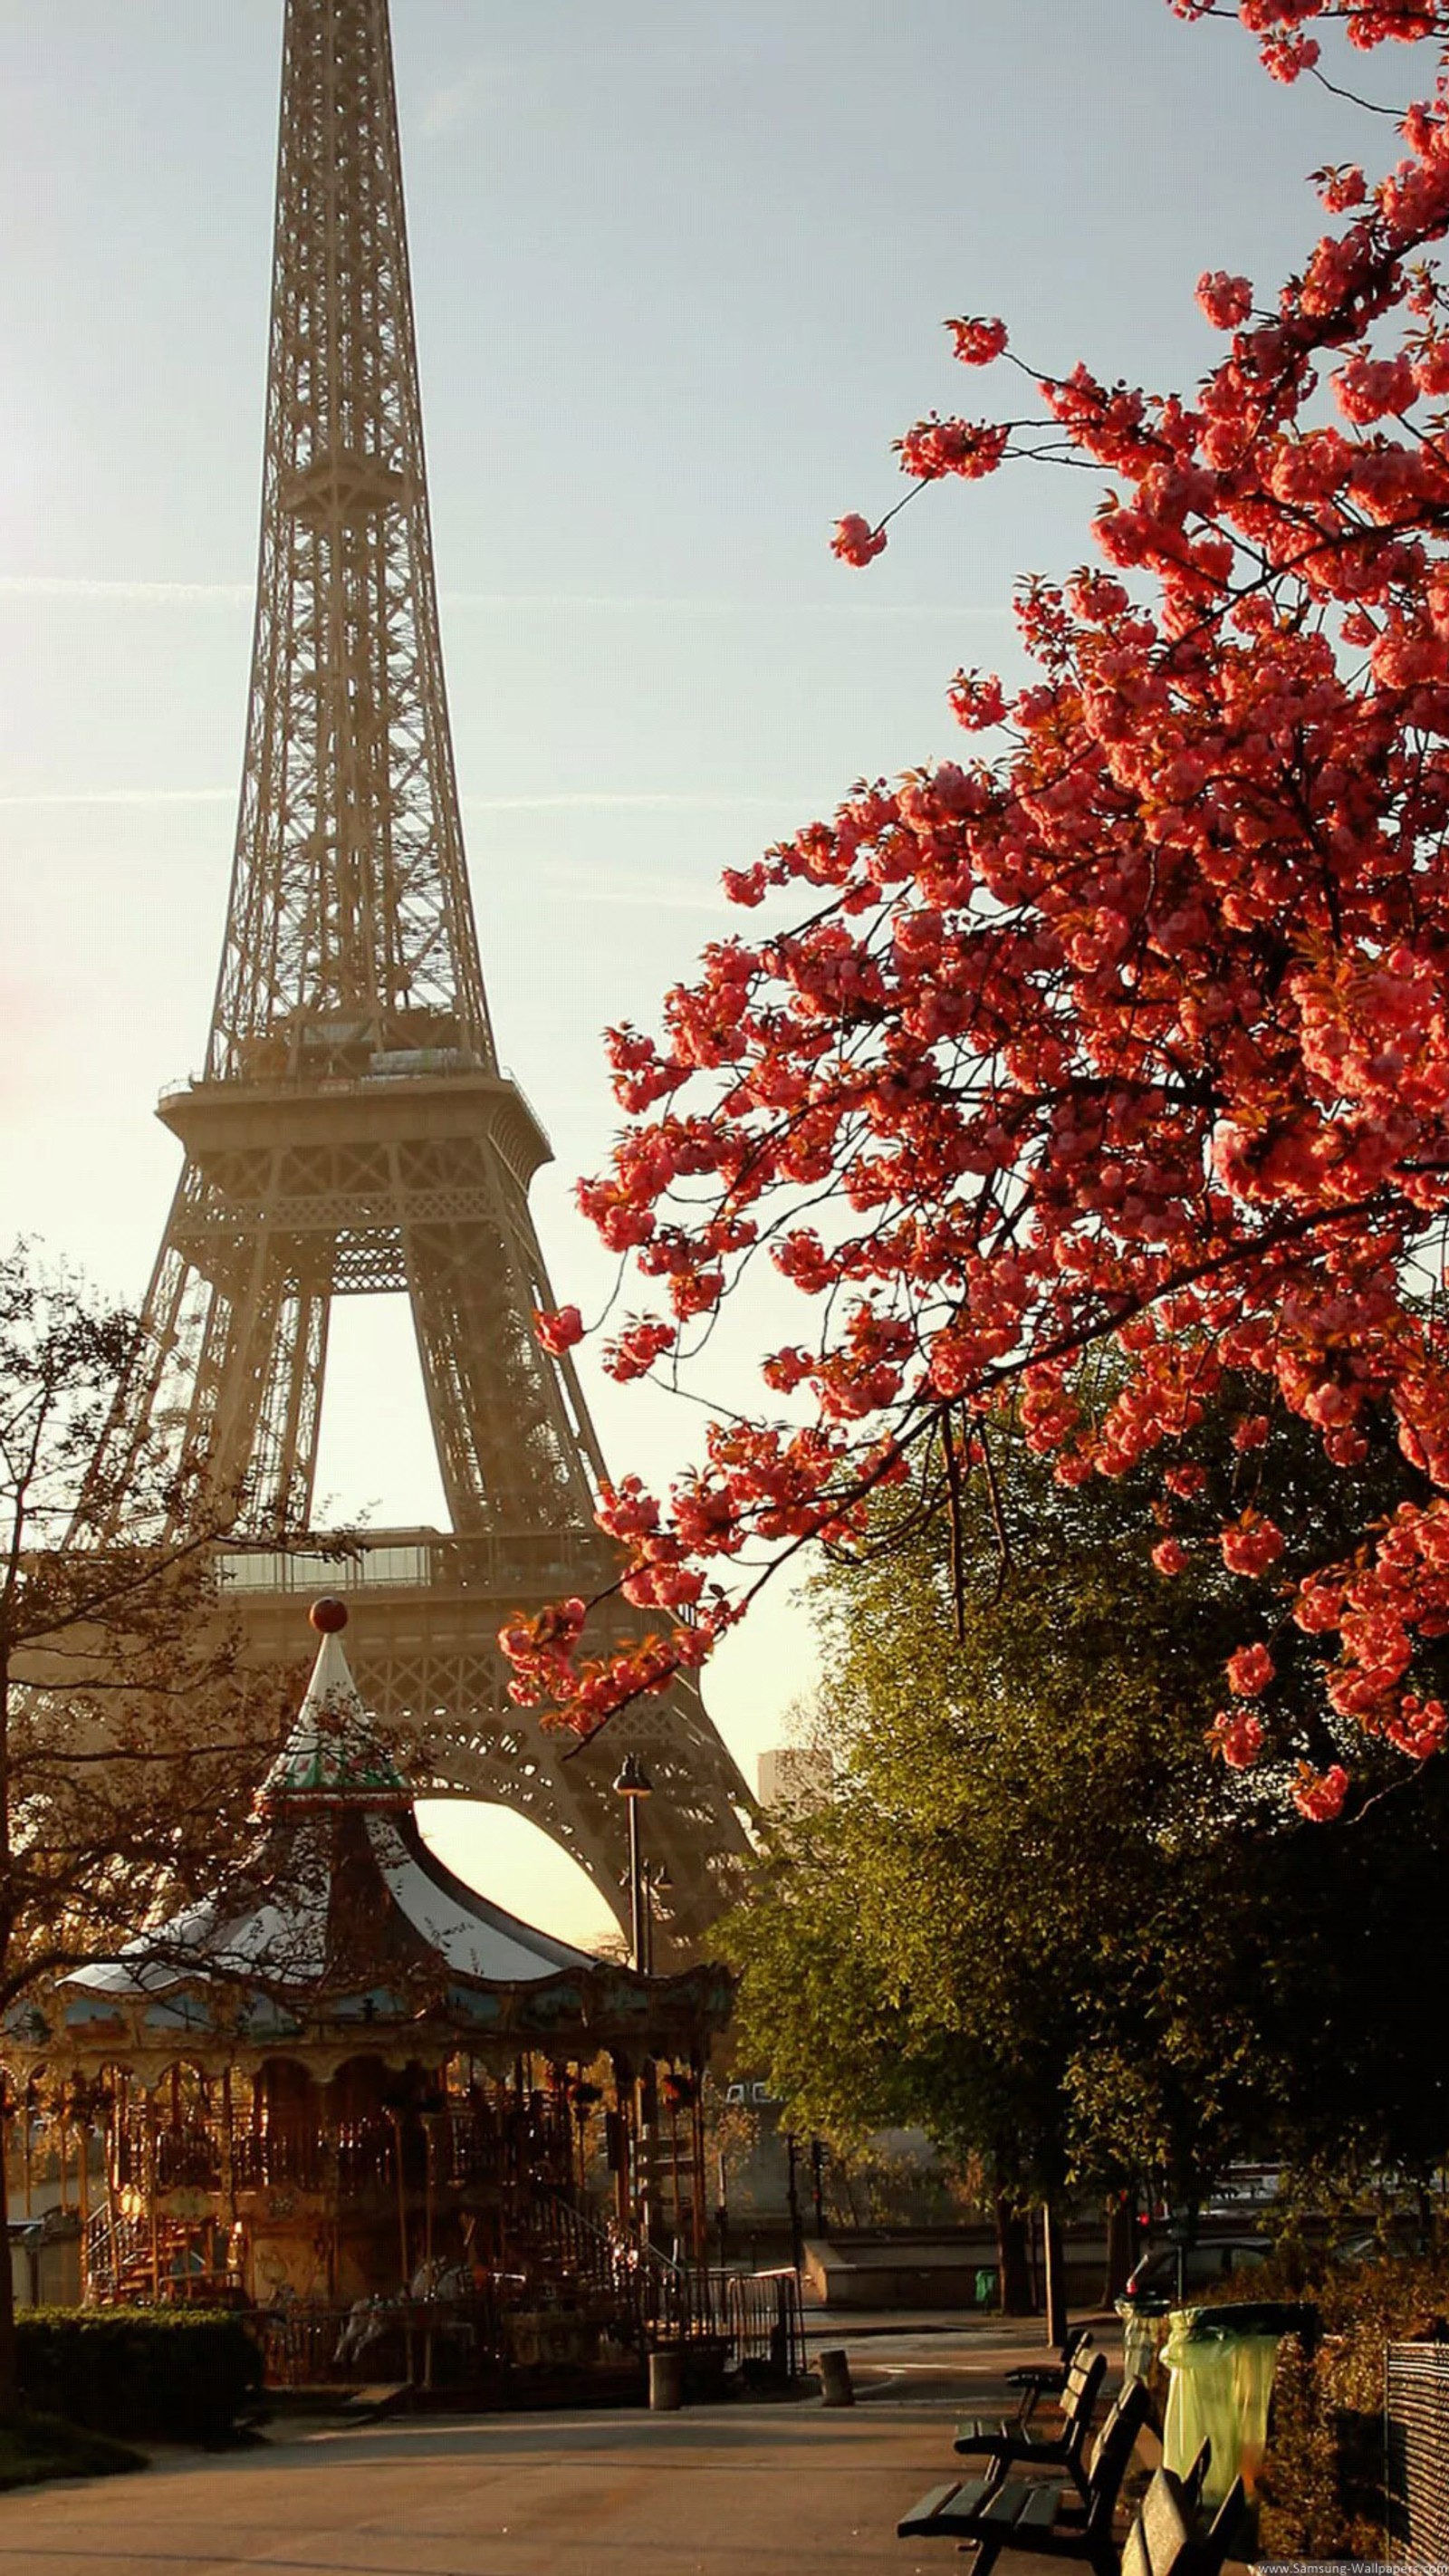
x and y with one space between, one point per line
755 2489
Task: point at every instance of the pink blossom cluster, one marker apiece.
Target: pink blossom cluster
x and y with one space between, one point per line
1135 1031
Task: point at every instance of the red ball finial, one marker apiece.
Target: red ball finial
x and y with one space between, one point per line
328 1615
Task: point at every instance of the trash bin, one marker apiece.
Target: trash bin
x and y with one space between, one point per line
1141 2335
1144 2332
1220 2363
986 2280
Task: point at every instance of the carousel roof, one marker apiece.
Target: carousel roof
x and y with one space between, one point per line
341 1840
340 1920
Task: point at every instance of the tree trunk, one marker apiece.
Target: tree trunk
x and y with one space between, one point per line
1056 2276
1121 2246
1013 2270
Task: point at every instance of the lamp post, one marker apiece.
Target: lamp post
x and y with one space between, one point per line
633 1784
656 1881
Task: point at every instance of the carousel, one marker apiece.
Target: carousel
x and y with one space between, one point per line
413 2135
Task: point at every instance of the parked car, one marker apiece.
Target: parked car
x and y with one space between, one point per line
1156 2280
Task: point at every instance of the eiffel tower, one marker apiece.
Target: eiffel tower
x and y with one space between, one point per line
352 1132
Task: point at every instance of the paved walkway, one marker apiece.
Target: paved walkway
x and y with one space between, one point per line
762 2490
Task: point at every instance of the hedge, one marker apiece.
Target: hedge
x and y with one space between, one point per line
143 2374
1322 2485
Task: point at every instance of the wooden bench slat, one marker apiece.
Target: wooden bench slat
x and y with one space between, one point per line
922 2515
946 2510
1004 2505
1040 2510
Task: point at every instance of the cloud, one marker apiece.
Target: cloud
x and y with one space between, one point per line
638 893
447 109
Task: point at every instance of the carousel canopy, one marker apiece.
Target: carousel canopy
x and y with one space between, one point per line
342 1839
340 1916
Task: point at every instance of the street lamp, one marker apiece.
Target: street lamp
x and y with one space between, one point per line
633 1784
656 1881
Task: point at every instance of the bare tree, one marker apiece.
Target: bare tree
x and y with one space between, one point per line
130 1741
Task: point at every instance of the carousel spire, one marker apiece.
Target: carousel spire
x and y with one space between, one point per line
332 1758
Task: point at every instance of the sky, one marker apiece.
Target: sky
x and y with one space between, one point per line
681 268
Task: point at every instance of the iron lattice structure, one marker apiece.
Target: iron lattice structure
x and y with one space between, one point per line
352 1131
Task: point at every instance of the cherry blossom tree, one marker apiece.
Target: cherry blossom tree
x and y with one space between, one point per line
1127 1030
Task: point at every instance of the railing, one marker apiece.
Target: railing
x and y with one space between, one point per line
113 2246
748 2322
335 1076
767 2324
354 2159
429 2343
755 2317
129 2261
416 1559
300 2160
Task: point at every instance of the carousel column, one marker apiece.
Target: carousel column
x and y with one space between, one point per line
698 2237
228 2153
331 2153
675 2087
649 2152
83 2196
151 2169
112 2149
83 2158
621 2142
429 2122
400 2180
236 2281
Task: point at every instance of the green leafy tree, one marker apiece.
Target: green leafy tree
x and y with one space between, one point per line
1030 1918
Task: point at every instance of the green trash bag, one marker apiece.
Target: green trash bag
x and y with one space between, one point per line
1219 2387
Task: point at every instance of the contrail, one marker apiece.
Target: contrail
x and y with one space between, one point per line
238 594
604 799
136 594
582 800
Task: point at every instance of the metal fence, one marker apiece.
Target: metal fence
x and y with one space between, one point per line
1416 2449
745 2323
767 2324
755 2318
428 2343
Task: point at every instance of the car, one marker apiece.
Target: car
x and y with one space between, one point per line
1172 2272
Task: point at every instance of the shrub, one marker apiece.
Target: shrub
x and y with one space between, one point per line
1323 2479
140 2373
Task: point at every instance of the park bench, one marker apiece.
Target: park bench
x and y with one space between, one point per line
1014 2445
1038 2379
1041 2519
1165 2539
